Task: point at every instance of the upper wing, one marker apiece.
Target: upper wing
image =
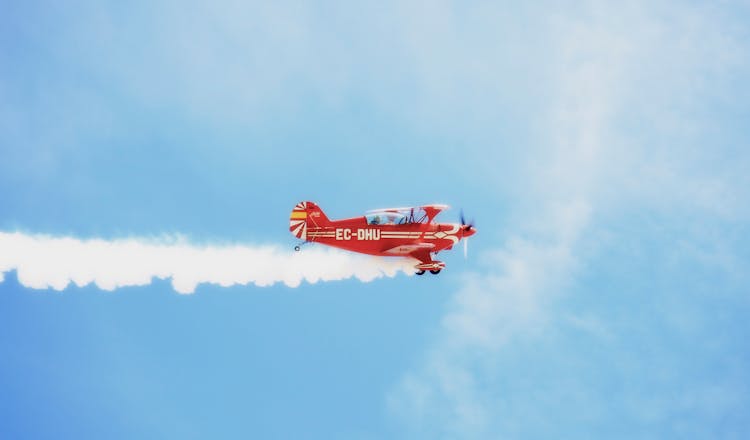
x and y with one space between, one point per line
405 208
433 210
436 207
430 210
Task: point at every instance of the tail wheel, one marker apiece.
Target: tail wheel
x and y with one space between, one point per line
435 271
421 272
296 248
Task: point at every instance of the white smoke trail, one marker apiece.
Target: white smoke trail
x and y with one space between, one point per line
43 262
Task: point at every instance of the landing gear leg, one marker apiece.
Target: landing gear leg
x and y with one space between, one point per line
421 272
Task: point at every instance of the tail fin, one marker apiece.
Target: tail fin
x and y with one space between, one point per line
304 215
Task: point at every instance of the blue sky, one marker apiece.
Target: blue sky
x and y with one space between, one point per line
601 148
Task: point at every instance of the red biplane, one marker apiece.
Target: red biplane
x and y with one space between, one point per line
392 232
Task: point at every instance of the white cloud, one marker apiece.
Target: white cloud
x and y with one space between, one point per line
43 262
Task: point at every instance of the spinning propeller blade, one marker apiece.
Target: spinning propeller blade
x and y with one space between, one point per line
464 225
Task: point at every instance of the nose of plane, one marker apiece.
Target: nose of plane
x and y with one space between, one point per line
469 231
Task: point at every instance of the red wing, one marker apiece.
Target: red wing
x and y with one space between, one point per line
421 252
433 210
423 255
411 249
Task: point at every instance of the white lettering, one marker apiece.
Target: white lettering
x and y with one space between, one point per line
368 234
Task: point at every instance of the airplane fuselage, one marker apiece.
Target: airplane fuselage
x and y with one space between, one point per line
387 233
356 235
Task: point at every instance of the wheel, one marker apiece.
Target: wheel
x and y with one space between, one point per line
296 248
420 272
435 271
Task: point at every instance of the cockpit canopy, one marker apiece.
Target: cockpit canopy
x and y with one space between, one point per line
397 217
386 218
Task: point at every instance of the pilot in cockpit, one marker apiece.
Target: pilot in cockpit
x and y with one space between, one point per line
390 218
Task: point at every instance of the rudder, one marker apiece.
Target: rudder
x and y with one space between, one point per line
304 215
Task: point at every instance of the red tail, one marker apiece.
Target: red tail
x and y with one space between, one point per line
304 215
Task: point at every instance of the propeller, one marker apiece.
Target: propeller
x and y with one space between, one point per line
466 227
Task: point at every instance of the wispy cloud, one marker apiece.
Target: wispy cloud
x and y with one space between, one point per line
43 262
533 266
587 168
487 313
